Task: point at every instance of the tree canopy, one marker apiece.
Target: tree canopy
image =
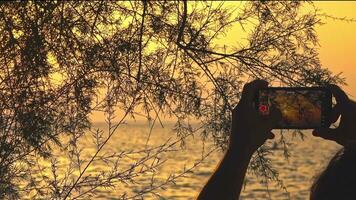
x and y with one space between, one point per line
61 61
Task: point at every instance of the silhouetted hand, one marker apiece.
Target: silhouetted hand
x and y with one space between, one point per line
250 129
345 133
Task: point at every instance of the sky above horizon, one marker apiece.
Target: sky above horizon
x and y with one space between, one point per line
336 38
338 43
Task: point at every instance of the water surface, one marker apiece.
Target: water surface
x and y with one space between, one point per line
307 158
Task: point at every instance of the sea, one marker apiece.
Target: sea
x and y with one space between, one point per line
193 161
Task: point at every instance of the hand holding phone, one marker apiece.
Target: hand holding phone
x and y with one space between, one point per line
249 129
345 133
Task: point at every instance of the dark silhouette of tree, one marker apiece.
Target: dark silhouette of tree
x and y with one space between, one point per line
60 61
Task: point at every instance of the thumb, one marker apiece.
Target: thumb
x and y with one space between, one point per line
270 135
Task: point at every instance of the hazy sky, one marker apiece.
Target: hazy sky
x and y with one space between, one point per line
337 39
337 42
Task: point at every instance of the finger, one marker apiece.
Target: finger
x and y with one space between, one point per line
270 135
334 114
327 133
341 97
250 89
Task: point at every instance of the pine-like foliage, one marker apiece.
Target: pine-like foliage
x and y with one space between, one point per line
60 61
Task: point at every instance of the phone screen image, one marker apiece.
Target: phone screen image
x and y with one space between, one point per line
301 108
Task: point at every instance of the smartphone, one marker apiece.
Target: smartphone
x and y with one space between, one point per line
301 107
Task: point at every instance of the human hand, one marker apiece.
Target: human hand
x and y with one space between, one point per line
345 133
250 129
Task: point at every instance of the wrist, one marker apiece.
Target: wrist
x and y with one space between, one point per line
242 145
240 150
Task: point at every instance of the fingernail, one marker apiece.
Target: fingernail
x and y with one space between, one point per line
315 133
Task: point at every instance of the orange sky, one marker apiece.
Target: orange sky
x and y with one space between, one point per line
337 39
337 42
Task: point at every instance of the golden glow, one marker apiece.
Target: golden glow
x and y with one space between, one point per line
336 38
337 41
55 77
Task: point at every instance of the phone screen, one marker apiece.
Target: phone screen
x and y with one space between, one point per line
301 108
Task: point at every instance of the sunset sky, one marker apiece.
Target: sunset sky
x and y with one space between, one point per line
338 42
336 38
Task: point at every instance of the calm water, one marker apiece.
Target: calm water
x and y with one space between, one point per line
307 158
